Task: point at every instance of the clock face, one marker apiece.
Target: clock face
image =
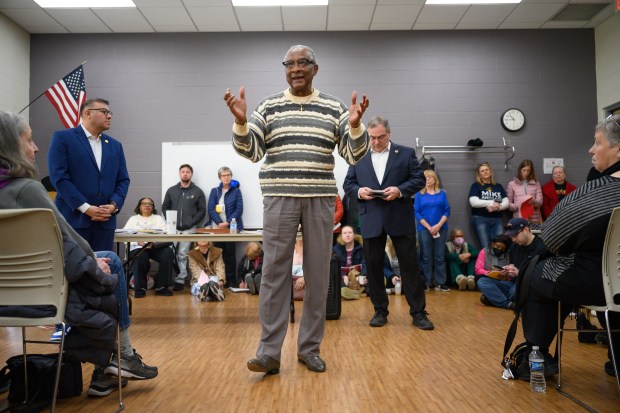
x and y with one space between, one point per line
512 120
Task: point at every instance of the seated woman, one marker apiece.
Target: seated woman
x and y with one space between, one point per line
461 260
555 190
142 252
349 251
496 284
251 267
574 234
299 283
96 284
208 271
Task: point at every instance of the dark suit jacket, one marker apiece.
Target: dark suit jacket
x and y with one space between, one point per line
392 217
74 173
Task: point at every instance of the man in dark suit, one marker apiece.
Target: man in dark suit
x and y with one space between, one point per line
384 182
88 170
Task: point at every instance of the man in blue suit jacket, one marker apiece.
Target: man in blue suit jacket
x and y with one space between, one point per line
384 182
89 172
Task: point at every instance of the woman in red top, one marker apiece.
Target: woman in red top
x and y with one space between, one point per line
555 190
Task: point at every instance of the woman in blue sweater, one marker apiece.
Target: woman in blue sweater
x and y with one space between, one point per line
226 203
432 210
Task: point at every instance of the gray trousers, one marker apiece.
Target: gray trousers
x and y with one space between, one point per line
182 251
281 218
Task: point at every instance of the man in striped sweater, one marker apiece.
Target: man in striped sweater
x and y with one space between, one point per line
296 131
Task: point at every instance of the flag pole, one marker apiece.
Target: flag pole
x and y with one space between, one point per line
37 98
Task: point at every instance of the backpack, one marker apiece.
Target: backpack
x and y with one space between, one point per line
41 376
514 360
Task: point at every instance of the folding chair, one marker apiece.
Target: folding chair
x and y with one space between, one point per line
32 274
611 284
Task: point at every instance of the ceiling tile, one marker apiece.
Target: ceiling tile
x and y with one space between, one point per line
520 25
124 21
19 4
387 26
259 18
214 18
31 18
305 16
158 3
74 18
492 13
395 14
441 14
407 2
531 13
563 25
352 3
166 16
210 3
433 26
349 17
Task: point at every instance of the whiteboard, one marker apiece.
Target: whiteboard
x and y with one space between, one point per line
207 157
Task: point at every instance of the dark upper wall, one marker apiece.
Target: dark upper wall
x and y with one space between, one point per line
444 87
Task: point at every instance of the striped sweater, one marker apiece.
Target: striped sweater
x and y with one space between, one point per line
574 229
297 135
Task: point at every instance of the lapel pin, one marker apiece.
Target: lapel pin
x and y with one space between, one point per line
395 151
106 141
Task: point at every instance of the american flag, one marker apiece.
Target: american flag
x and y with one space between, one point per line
67 95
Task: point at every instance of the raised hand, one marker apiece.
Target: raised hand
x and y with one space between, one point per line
357 110
237 106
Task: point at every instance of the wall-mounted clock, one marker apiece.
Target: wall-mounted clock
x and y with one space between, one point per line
512 120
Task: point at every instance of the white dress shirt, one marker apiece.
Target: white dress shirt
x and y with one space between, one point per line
95 144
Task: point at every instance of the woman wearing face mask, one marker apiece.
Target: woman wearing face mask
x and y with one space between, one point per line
461 260
495 283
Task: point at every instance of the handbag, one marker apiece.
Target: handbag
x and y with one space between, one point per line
41 376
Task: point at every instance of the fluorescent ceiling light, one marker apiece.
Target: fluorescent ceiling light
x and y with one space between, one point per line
264 3
471 1
83 4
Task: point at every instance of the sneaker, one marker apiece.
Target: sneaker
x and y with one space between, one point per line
427 288
461 280
551 367
215 291
484 300
442 287
57 334
139 293
102 385
204 292
249 281
178 287
471 282
131 367
163 291
421 321
349 294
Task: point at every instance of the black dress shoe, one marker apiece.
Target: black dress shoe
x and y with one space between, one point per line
178 287
378 320
421 321
264 364
314 363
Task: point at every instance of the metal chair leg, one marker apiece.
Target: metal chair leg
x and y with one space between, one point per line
611 348
121 406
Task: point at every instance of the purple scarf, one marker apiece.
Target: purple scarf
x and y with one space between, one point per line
5 179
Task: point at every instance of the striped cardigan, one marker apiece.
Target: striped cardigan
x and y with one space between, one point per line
298 136
563 231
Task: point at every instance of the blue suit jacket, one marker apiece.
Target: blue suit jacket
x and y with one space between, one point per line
392 217
74 173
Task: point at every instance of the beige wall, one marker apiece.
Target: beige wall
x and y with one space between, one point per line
608 63
15 67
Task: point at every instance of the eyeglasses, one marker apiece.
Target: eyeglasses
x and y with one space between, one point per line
302 63
610 118
147 204
225 175
104 111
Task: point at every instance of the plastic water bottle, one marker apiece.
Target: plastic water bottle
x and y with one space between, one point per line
233 226
537 371
397 288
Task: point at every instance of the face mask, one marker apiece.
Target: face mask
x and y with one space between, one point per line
497 252
458 241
